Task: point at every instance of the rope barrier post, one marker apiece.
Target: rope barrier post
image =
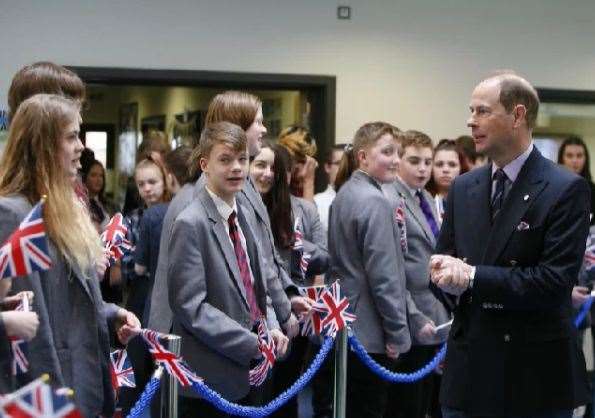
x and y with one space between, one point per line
170 389
340 374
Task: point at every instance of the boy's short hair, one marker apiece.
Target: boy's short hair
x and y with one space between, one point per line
44 77
416 139
217 133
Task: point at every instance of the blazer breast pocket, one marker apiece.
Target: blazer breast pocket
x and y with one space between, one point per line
526 242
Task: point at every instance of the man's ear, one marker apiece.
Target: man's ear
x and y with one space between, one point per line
520 114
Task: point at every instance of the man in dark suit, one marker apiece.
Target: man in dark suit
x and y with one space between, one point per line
508 255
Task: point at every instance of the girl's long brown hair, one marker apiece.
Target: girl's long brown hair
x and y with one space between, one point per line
30 166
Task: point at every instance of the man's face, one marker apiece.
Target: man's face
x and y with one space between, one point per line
416 166
491 125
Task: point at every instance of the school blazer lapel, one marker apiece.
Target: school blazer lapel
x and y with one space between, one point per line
524 191
255 200
222 238
415 211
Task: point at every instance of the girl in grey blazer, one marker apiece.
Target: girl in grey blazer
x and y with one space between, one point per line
72 345
271 173
366 258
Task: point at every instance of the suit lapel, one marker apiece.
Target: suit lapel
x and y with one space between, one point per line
478 219
255 200
223 240
524 190
415 210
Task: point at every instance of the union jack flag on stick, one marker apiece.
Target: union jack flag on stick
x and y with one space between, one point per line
38 400
121 370
334 310
311 323
20 364
258 374
114 237
26 250
172 363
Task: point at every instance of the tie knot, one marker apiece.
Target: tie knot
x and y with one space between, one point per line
232 218
500 175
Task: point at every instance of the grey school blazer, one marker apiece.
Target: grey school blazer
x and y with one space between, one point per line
366 257
422 304
277 278
208 299
160 313
72 342
315 243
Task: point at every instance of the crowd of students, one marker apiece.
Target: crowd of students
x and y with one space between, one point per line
220 234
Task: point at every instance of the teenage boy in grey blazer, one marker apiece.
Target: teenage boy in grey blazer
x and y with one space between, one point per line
216 287
424 310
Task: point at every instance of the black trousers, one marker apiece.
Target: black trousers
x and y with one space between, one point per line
366 393
412 400
322 383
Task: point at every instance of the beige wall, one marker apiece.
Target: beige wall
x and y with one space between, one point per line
412 63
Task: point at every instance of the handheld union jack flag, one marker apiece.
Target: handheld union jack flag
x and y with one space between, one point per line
20 364
121 370
38 400
589 259
174 365
334 310
114 237
311 323
258 374
26 250
400 219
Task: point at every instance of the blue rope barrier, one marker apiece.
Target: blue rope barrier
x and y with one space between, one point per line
147 396
231 408
388 375
585 308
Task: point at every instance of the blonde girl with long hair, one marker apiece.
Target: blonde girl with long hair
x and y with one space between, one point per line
42 158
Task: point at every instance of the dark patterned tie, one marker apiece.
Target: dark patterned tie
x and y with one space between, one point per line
427 210
234 234
498 198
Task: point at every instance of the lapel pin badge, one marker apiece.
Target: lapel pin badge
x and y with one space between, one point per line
523 226
526 197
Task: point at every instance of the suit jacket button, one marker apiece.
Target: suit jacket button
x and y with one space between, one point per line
507 337
513 263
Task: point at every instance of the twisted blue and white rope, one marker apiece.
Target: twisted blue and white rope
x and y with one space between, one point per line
252 411
388 375
148 394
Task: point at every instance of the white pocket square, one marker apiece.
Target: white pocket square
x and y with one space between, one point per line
523 226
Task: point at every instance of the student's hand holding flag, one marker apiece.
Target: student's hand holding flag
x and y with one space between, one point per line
301 305
281 342
127 326
102 264
11 302
19 324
